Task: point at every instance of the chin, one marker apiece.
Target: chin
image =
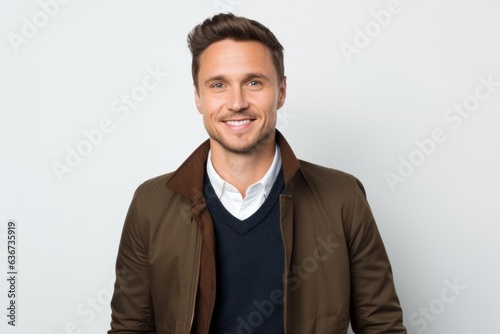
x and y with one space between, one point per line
241 149
248 147
244 143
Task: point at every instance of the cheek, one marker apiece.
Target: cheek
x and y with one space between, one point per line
210 105
209 117
273 106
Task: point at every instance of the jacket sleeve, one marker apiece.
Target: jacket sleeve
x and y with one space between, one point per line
375 306
131 305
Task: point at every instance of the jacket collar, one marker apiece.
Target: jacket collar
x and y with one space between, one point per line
188 179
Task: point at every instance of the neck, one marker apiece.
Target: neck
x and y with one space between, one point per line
242 170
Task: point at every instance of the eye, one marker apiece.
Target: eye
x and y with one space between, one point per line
254 83
218 85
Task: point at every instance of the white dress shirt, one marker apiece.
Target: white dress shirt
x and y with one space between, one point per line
256 194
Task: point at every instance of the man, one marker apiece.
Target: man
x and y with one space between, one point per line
243 237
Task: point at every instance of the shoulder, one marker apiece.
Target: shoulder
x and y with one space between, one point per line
154 189
329 180
154 183
153 201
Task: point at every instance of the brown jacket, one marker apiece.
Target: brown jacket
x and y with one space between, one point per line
336 266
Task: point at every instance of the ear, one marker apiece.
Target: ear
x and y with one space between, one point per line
282 93
197 100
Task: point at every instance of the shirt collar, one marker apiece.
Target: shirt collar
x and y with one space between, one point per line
220 185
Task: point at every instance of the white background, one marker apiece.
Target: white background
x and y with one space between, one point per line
361 113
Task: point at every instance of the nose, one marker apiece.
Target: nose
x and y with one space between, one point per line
236 100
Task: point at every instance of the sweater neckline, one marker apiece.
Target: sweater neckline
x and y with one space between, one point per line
219 212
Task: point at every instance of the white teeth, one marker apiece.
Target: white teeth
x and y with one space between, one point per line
238 123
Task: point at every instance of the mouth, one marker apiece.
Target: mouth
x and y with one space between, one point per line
237 123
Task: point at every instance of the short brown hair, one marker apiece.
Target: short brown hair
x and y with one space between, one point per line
228 26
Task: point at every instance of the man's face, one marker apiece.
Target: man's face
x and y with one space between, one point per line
238 95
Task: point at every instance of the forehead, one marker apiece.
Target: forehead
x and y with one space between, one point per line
228 57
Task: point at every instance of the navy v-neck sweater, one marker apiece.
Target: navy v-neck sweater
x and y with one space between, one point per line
249 266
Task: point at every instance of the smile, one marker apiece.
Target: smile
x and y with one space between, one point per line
238 123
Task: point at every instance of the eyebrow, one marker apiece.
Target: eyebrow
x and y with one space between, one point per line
246 78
